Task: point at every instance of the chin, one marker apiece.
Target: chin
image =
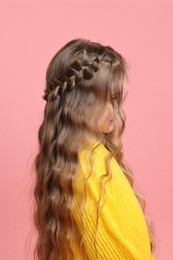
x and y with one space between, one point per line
108 131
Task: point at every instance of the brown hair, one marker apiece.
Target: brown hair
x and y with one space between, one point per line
79 79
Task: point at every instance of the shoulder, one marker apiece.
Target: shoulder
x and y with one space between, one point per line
93 160
94 153
94 148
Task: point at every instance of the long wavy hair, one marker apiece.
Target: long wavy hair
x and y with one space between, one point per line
79 79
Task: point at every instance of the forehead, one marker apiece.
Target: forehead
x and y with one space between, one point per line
114 89
126 84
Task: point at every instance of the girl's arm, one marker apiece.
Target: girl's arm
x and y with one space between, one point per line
111 241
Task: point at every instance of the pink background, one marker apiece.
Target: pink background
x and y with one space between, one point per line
31 33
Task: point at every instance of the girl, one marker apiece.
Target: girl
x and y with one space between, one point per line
86 207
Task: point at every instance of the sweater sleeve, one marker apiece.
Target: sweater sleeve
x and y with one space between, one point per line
111 243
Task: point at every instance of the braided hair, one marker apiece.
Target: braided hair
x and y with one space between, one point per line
79 78
76 72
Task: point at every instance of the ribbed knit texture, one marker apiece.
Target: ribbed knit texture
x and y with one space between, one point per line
122 229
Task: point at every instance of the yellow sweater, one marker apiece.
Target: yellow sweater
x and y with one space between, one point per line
122 230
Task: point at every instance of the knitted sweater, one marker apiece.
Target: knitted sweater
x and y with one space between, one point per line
122 230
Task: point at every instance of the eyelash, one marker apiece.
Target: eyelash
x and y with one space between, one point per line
114 97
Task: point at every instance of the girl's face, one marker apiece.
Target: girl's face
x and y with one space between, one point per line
106 121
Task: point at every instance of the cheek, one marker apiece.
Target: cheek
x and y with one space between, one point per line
110 112
106 116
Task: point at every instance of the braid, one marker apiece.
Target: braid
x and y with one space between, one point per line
77 71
